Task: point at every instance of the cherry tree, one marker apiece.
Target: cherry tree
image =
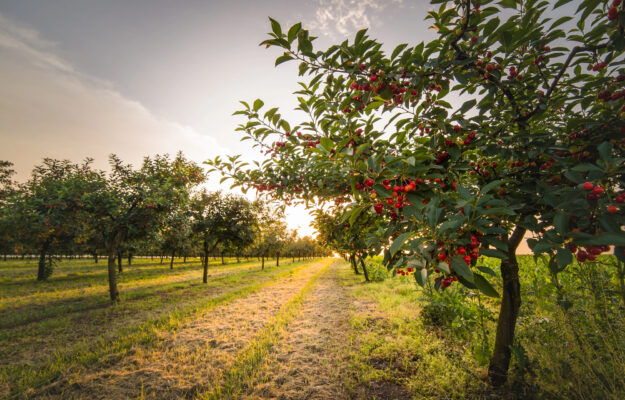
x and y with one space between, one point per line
509 123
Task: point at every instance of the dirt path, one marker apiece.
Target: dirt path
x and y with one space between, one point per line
311 359
190 360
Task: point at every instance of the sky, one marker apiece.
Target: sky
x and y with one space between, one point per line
87 78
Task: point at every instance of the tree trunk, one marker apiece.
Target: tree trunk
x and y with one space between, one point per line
352 260
162 256
44 271
620 267
205 263
263 263
508 313
184 259
222 259
129 258
114 293
238 261
171 263
278 260
364 269
119 262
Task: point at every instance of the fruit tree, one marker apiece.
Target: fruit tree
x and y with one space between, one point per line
510 123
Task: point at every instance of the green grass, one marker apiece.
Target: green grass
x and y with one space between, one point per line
570 341
69 341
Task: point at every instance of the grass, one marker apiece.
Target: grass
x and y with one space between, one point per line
249 359
112 330
397 351
570 341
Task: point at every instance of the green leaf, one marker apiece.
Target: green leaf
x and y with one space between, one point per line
398 242
283 58
398 50
461 268
561 223
494 253
487 270
258 103
507 3
607 238
604 150
490 186
442 266
467 105
293 31
421 276
564 258
484 286
490 26
275 27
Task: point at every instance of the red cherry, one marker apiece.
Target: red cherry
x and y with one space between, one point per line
612 209
369 182
597 190
588 186
441 256
462 251
373 78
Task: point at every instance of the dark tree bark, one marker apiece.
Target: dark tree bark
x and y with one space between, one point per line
263 263
43 271
278 260
364 269
352 261
119 262
205 262
508 313
222 258
114 293
95 256
129 258
171 263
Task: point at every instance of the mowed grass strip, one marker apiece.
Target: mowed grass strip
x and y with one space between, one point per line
49 304
249 360
18 379
18 278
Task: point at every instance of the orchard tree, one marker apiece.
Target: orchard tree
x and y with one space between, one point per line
49 212
509 123
348 236
222 219
7 188
271 233
135 203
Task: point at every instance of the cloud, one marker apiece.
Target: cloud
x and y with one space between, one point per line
344 17
50 109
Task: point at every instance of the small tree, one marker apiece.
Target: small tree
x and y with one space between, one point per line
219 219
135 203
48 211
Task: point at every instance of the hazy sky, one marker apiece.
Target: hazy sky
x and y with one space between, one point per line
87 78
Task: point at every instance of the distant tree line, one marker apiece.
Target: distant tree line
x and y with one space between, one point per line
155 210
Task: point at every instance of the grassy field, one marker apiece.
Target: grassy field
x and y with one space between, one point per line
309 329
46 327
